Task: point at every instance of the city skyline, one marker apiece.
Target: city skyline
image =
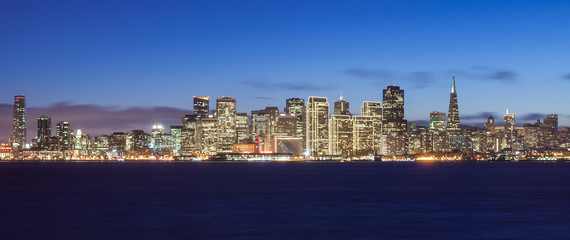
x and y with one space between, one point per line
122 57
171 116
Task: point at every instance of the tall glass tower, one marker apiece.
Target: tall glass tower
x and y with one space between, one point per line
19 134
453 126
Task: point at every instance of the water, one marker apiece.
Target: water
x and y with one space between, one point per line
273 200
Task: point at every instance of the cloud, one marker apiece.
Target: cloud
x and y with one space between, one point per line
566 77
276 86
418 79
477 116
264 98
531 116
93 119
486 73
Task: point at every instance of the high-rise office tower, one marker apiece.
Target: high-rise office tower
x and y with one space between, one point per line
19 134
509 122
393 111
374 109
394 126
189 138
341 135
341 107
208 135
551 122
44 132
226 112
63 133
437 120
243 128
263 125
201 107
363 135
453 125
296 106
318 126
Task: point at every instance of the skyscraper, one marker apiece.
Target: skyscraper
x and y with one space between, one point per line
341 135
363 135
453 125
63 133
296 106
318 126
44 131
243 128
226 112
263 125
509 122
19 135
437 121
341 107
394 126
201 107
374 110
393 111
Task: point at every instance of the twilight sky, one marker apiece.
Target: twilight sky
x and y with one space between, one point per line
117 65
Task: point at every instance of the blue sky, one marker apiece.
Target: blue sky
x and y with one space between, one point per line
122 55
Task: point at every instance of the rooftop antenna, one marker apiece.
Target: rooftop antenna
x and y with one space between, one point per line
341 95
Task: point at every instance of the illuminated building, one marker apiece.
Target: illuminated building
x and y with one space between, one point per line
189 139
341 133
44 132
136 140
118 143
437 120
296 106
63 133
155 136
226 113
19 135
374 109
176 132
208 135
317 126
490 125
363 135
243 128
201 107
394 126
509 127
289 145
101 145
453 125
263 125
341 107
550 126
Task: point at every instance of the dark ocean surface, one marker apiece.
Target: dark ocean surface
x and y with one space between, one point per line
284 200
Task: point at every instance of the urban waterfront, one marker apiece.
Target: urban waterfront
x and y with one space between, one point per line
284 200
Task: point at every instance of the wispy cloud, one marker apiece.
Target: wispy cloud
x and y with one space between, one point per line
477 116
418 79
486 73
264 98
531 116
566 77
94 119
293 86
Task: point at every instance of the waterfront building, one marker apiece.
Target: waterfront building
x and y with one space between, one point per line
19 122
226 113
318 126
394 126
364 143
243 128
296 106
63 133
341 135
44 132
263 126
